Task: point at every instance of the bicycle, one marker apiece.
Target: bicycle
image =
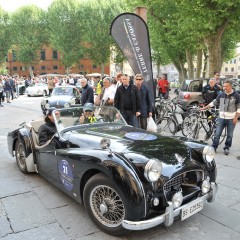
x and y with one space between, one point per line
163 107
171 121
198 120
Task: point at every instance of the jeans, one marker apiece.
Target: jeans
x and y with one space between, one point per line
221 123
130 118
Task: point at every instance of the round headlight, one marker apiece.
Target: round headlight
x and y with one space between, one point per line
66 105
208 153
152 171
47 106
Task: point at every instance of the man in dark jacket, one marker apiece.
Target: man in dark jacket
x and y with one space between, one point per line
146 106
128 100
210 91
87 92
47 130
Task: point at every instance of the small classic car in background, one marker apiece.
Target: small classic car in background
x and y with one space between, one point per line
37 89
127 178
61 97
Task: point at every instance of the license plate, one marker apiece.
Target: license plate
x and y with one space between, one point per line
191 209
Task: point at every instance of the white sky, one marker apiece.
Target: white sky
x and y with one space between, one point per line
12 5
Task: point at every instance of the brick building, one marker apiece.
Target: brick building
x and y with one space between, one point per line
50 62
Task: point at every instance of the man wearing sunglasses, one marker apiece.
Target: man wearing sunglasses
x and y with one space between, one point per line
146 108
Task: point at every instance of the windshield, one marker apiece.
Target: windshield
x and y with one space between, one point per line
62 91
80 116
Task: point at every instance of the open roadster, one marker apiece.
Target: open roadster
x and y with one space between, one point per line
127 178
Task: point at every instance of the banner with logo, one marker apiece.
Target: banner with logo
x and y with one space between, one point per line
131 34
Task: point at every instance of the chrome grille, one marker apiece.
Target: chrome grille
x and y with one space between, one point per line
190 177
174 184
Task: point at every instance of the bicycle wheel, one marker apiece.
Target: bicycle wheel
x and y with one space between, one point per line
166 124
189 124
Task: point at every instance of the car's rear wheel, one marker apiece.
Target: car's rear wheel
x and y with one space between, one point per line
105 205
20 157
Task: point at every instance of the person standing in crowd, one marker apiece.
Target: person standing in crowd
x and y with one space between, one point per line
108 93
128 101
229 111
146 106
163 86
87 92
16 79
8 88
118 80
210 91
48 129
1 92
51 84
218 80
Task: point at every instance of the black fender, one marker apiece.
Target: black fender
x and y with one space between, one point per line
125 177
25 137
120 171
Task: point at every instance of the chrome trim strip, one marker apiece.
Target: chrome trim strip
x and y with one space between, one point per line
168 217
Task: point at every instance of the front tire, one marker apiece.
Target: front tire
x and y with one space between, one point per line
105 205
20 157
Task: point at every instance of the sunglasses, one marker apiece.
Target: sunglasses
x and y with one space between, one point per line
88 111
139 79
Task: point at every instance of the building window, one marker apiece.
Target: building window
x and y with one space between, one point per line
43 55
94 66
55 54
234 60
32 67
43 67
226 69
232 69
55 67
239 59
14 56
14 68
238 67
80 66
22 68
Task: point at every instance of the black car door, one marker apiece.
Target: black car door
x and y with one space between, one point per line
47 162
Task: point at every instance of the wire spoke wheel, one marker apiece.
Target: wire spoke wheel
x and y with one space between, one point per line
20 157
107 206
104 204
189 124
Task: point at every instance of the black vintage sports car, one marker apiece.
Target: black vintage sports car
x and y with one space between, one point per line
61 97
127 178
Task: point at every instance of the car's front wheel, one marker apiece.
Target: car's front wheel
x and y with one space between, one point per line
104 205
20 157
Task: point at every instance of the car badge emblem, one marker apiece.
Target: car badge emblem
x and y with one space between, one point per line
179 158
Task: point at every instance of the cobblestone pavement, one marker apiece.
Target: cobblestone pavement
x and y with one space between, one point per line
31 208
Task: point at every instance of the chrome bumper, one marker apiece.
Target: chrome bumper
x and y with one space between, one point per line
168 217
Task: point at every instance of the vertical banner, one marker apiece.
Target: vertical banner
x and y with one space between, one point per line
131 34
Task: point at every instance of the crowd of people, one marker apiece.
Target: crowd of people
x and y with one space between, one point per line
131 97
